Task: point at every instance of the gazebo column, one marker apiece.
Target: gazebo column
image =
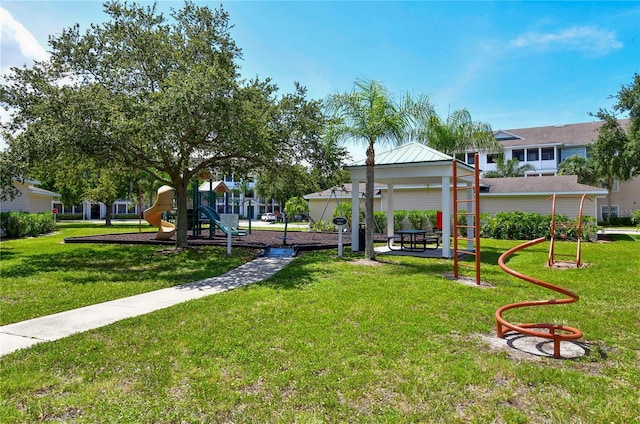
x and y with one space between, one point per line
446 217
355 216
390 209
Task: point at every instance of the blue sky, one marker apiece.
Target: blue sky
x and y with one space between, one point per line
511 64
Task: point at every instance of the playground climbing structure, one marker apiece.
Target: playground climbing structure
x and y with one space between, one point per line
471 225
560 230
555 332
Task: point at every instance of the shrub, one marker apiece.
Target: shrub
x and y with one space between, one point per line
344 209
380 219
398 219
69 216
323 226
619 221
418 219
19 224
432 216
635 217
531 225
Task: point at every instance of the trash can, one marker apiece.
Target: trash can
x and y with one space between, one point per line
361 238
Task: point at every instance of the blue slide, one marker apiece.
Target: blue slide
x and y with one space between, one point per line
215 220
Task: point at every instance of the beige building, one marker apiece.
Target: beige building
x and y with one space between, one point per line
545 148
32 199
496 195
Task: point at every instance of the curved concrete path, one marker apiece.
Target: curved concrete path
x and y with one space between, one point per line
53 327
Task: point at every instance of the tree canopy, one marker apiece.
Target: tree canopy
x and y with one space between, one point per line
158 94
458 133
615 155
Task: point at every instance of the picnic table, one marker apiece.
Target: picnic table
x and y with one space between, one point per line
413 240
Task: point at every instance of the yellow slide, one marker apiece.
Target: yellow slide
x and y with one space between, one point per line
153 215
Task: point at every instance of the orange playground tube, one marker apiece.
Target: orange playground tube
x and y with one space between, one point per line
555 332
153 215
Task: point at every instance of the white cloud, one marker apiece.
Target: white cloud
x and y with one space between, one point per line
591 41
18 46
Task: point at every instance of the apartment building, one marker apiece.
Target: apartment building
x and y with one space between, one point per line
545 148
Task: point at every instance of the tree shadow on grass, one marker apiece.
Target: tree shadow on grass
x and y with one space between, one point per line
115 264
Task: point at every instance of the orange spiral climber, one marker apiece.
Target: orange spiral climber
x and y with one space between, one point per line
555 332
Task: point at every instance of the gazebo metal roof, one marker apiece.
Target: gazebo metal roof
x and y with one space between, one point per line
411 163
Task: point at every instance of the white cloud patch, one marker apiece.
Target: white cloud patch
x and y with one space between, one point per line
18 46
589 40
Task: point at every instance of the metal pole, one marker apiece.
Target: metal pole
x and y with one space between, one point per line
455 218
476 204
286 222
249 212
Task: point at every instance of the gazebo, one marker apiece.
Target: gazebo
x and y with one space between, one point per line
411 164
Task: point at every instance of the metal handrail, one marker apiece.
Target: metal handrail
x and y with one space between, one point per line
556 332
551 261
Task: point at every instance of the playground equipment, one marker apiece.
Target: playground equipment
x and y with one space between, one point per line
552 254
472 232
555 332
153 215
215 221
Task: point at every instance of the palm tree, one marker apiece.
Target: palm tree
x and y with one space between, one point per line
368 115
577 165
457 134
509 168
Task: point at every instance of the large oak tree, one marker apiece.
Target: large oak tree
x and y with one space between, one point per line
157 94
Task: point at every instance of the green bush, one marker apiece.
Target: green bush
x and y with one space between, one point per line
620 221
531 225
323 226
380 219
68 216
19 224
432 216
398 217
418 219
344 209
635 217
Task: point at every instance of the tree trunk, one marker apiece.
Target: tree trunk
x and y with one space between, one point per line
368 202
107 215
182 195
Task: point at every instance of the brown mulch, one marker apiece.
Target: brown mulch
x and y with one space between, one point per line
258 239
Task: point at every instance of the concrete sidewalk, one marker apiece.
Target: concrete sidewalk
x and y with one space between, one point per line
53 327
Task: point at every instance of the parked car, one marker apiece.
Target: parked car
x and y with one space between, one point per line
268 217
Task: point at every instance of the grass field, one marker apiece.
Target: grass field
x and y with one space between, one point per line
327 339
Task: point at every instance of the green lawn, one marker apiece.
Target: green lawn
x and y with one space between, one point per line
333 339
41 276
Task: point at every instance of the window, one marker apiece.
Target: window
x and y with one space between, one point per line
491 158
518 154
471 158
616 185
572 151
532 155
547 154
604 209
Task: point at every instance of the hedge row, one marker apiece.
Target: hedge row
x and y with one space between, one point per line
503 225
531 225
19 224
